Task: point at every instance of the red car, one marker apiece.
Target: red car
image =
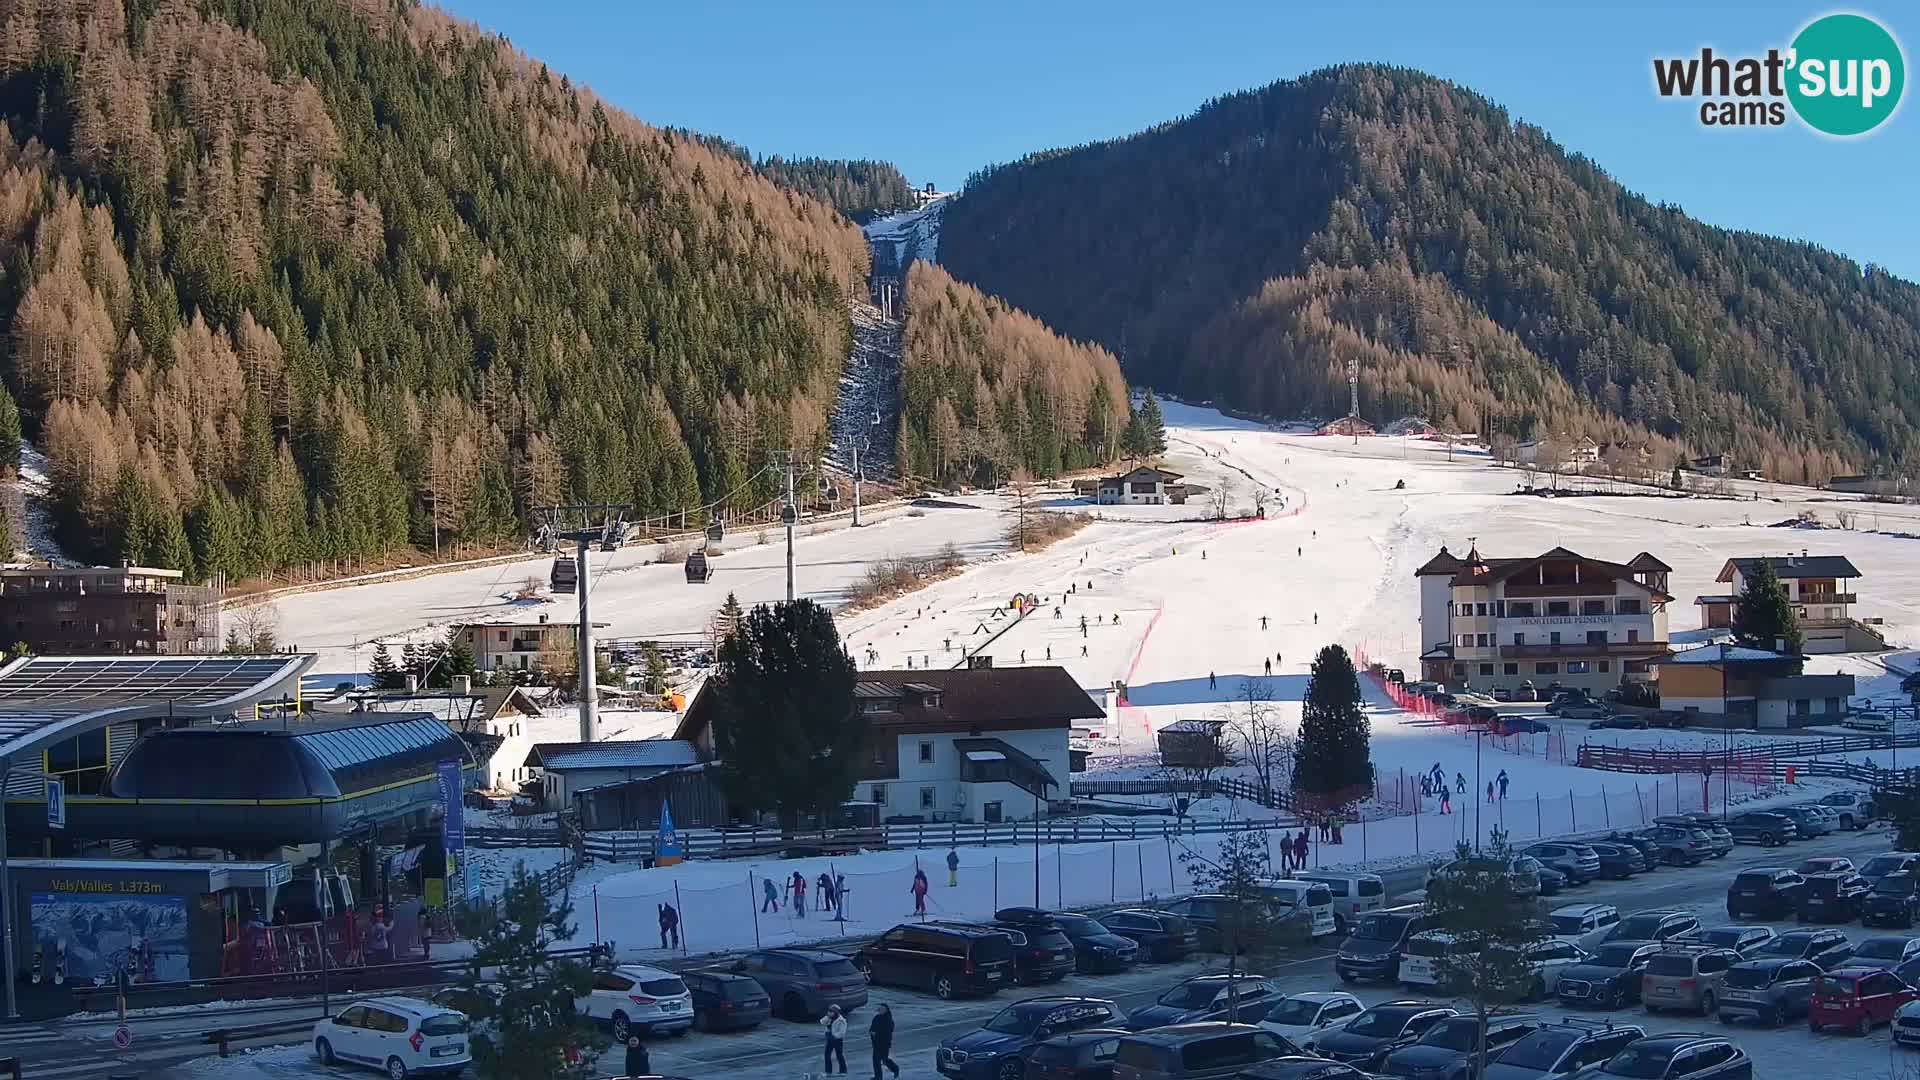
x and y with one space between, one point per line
1857 999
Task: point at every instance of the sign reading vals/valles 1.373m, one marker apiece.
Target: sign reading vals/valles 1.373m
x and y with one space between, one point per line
1842 75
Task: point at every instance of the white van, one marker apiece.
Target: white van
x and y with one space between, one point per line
1423 964
399 1036
1353 895
1312 897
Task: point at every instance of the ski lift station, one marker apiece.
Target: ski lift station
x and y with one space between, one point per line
258 817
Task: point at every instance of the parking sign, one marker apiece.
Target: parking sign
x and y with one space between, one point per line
56 804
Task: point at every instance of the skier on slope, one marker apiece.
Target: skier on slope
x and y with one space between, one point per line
919 891
1460 782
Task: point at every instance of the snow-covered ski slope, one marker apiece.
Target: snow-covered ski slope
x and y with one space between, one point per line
908 235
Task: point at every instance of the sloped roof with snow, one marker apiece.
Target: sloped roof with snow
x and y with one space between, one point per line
1724 654
1793 566
637 754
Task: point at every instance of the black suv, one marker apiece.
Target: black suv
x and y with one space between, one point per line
723 1001
1763 828
1095 948
1366 1040
1892 862
1578 861
1203 913
998 1049
1764 892
1894 901
1563 1047
1446 1051
1041 954
1834 897
1827 948
1082 1055
1653 924
1206 998
1378 942
948 960
1719 838
1689 1054
1161 935
803 983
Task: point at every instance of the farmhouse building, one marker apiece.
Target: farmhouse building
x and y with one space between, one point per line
1820 588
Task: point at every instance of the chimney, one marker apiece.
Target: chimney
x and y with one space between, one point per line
463 685
413 683
543 618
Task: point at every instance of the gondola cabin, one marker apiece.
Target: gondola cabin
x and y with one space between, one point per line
716 532
565 576
698 569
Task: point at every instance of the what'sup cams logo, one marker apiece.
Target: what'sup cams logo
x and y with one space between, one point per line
1842 76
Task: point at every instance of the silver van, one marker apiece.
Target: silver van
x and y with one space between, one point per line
1197 1052
1353 895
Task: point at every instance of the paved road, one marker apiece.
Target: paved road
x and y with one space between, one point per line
83 1048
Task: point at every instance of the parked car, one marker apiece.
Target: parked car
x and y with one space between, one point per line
1719 837
1578 861
1885 951
1906 1024
1649 851
1577 922
1302 1068
1762 827
1581 710
1309 899
1685 977
1197 1052
1079 1055
1353 895
1893 862
1547 958
1610 976
1691 1055
1447 1050
1565 698
1520 725
1367 1039
1825 864
998 1049
802 983
1562 1048
1503 693
1745 939
1207 998
1204 913
1666 718
1526 692
1095 948
1894 900
1161 935
400 1036
1764 892
638 998
1673 844
1298 1016
1855 807
1618 861
1623 720
1857 999
1768 990
1481 714
1653 924
1378 941
1041 954
723 1001
1827 949
1832 897
1807 822
1868 721
950 961
1551 881
1424 966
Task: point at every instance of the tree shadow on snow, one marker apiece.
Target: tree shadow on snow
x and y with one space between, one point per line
1226 690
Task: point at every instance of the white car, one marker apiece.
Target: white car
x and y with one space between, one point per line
1297 1016
638 998
1548 957
400 1036
1574 922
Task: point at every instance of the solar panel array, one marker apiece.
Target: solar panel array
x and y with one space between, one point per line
48 689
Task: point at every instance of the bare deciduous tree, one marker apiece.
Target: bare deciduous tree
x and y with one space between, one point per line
1222 498
1263 741
253 630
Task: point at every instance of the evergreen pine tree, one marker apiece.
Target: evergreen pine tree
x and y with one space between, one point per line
1766 618
410 662
385 675
729 619
1153 427
458 659
656 667
9 430
1334 755
522 998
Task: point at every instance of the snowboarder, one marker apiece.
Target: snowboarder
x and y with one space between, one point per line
836 1029
772 901
637 1063
1489 791
1203 554
669 926
799 895
824 890
880 1033
953 868
1502 780
1460 782
919 891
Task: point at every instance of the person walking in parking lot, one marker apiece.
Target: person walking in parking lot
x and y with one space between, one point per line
836 1028
637 1063
880 1031
953 867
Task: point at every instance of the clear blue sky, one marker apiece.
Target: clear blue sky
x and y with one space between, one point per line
941 89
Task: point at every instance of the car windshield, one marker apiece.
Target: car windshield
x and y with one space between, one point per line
1080 925
1461 1034
1637 927
1569 924
1538 1051
1742 977
1293 1012
1380 1022
1381 927
1192 995
1019 1019
1884 864
1895 885
1615 956
1881 949
1640 1062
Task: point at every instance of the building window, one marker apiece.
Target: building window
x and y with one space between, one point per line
1593 607
1628 606
1512 669
1596 637
1482 640
1519 639
1546 668
1553 637
926 753
926 798
880 794
1479 609
1606 666
1633 636
1559 607
1466 610
1576 667
1466 639
1520 609
1459 671
1486 669
503 637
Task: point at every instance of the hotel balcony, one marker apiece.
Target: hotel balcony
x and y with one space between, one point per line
1579 649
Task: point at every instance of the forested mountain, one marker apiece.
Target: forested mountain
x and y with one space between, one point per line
1483 276
986 390
292 280
858 188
